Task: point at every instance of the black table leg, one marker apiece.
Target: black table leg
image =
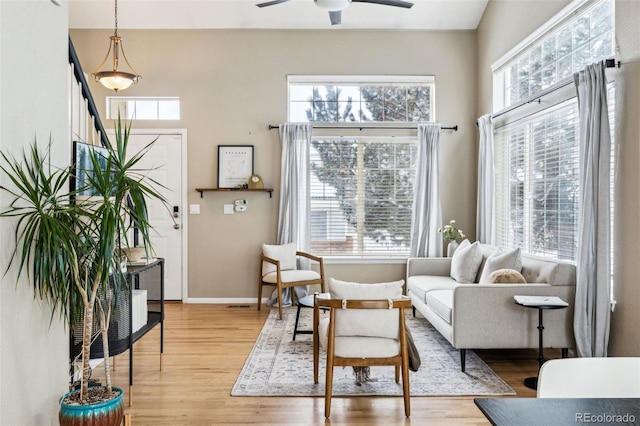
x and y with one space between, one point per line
532 382
295 327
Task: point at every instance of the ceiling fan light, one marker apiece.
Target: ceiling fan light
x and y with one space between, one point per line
333 5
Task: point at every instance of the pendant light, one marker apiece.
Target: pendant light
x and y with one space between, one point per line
116 79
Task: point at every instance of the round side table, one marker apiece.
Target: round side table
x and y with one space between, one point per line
532 382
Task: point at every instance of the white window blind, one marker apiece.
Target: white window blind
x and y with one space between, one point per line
362 196
537 182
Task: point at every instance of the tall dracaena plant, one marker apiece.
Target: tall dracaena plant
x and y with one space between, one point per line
71 246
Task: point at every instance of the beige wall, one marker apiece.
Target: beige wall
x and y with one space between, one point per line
505 24
232 85
34 355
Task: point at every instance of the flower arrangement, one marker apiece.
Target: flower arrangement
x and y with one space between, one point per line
451 232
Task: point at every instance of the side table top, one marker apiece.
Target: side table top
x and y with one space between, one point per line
308 300
540 302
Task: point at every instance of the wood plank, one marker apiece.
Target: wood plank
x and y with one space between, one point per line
206 346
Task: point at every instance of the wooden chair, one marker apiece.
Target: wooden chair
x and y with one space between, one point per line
359 350
278 268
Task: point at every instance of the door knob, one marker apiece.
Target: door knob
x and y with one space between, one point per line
176 226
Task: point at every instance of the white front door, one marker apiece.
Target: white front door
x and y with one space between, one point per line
164 163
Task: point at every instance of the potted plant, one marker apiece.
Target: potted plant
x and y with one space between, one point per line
451 233
70 246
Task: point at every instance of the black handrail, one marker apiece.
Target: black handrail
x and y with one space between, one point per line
86 93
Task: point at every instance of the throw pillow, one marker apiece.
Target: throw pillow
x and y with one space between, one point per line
285 253
366 322
506 276
465 262
511 259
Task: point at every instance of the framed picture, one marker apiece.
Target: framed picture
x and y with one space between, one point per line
235 165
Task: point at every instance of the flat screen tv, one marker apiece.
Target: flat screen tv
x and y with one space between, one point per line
83 166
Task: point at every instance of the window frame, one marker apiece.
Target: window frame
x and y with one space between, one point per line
546 100
378 130
363 81
112 110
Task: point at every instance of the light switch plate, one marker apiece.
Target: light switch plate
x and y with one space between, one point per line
228 209
194 208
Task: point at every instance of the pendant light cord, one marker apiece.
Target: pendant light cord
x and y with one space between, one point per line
116 18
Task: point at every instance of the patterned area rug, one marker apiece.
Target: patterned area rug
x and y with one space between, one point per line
280 366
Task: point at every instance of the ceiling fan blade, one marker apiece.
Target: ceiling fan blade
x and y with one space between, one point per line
271 3
396 3
336 17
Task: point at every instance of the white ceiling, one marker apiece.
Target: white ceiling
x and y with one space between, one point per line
295 14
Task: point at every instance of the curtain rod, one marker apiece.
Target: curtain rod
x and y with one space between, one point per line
454 128
609 63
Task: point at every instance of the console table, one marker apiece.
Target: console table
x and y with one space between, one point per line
147 276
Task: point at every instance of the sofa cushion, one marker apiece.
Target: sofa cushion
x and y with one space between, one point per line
466 261
420 285
441 302
511 259
285 253
366 322
506 276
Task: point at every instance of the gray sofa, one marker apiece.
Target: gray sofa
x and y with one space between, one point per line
484 316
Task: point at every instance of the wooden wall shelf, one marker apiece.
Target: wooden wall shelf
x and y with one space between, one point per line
203 190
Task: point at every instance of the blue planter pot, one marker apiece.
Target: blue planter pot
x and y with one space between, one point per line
108 413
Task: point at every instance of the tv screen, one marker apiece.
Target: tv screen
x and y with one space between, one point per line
83 166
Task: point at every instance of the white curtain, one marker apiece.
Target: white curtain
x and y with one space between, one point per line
592 301
485 222
427 212
294 217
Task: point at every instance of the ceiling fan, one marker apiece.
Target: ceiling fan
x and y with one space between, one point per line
335 7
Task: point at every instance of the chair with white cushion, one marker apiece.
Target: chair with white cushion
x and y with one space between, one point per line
612 377
278 267
365 327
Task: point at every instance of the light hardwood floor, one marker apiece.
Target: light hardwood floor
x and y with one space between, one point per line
205 348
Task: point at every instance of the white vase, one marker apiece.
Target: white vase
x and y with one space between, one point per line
451 247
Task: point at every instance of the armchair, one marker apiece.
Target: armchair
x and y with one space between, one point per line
278 267
363 330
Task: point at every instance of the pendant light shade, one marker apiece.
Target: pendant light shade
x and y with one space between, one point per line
116 79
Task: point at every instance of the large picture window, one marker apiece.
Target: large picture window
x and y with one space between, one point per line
361 185
536 135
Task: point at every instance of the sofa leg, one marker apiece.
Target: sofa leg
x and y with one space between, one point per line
413 309
565 352
463 353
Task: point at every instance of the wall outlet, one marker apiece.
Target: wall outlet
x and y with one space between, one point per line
228 209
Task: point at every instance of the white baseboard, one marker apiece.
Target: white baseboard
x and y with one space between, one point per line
222 300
